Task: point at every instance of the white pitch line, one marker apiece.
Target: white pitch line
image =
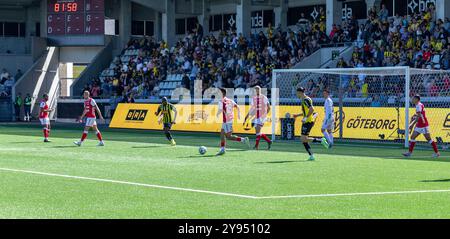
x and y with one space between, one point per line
129 183
220 193
354 194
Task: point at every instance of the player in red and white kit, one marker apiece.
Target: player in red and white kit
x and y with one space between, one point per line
90 107
43 117
226 109
260 107
420 122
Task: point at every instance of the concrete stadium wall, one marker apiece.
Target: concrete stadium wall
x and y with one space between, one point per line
78 54
111 9
13 15
6 109
20 45
220 7
16 45
38 47
319 58
327 53
13 62
141 13
346 53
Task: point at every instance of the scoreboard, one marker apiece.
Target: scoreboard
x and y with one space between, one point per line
76 22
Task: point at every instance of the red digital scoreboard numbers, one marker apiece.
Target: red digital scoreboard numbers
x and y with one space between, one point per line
75 17
66 7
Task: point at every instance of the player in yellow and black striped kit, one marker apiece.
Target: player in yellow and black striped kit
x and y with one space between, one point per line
168 114
308 121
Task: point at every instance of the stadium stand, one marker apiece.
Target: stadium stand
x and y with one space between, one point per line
228 60
418 41
4 77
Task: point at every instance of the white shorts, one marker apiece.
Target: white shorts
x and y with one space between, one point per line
44 121
328 124
91 122
259 121
423 130
227 127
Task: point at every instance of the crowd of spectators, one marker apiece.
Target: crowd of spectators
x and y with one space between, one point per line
231 60
7 81
224 60
418 40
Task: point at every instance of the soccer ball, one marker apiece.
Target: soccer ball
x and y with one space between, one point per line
202 150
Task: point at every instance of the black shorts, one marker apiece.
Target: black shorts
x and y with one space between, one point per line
306 128
167 125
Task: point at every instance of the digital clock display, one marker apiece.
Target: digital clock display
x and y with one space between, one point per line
75 17
65 7
61 6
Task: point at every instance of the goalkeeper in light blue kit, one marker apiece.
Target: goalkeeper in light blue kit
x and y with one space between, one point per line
328 121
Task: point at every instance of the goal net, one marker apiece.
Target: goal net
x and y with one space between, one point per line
370 104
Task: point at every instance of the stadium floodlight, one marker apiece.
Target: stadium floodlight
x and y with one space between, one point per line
368 102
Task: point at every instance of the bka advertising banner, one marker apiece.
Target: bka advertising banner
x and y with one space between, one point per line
197 118
358 122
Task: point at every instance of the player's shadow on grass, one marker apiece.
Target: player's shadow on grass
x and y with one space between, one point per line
436 181
23 142
199 156
149 146
282 162
237 150
64 146
73 146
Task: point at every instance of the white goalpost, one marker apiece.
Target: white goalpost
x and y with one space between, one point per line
370 104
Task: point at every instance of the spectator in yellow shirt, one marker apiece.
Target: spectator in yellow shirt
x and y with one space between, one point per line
365 89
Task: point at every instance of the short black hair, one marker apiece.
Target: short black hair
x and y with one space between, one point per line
224 91
45 95
301 89
417 97
164 99
326 90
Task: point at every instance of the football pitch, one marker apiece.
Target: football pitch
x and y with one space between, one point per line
138 175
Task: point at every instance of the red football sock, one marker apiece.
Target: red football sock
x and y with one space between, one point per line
222 143
435 148
84 136
258 138
411 146
99 136
239 139
266 138
45 133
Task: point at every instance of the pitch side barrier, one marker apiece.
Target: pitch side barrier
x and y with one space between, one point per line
365 123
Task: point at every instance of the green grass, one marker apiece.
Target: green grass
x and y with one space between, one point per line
145 157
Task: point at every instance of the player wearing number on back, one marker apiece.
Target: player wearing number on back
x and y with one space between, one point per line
43 117
165 112
328 121
226 110
420 125
260 107
308 121
90 107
